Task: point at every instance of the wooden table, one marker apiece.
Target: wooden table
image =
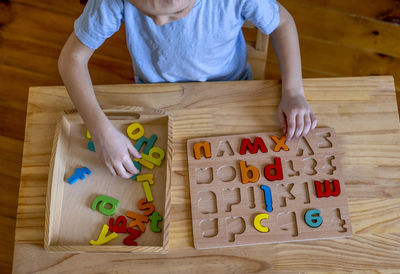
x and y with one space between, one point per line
362 110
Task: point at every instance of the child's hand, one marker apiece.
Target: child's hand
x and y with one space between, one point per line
114 150
295 116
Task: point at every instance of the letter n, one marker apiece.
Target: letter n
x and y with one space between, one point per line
206 148
252 147
329 191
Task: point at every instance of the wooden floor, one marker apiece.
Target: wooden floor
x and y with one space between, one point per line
337 37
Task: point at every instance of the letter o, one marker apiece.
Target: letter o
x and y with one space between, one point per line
132 128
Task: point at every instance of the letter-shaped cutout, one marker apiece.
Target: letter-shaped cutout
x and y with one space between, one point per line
132 128
139 167
207 202
150 157
133 234
285 194
197 150
328 190
138 220
268 198
312 218
252 147
234 227
209 227
325 136
244 173
146 177
257 222
104 200
280 143
303 145
147 191
337 221
287 222
225 146
79 174
144 205
103 239
155 219
149 143
277 166
119 226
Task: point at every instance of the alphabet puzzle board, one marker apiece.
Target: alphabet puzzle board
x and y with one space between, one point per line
71 221
244 193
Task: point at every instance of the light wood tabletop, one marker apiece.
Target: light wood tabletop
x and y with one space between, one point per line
362 111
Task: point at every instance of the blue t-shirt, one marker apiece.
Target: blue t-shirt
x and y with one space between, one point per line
205 45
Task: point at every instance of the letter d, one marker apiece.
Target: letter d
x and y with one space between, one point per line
277 166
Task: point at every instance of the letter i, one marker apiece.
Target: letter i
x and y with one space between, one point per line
268 198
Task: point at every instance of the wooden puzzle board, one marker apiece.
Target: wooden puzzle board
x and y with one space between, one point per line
70 221
224 209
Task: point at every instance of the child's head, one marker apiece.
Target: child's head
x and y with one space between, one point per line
164 11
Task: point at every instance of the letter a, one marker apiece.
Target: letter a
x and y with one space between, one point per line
252 147
119 226
277 166
244 171
104 200
328 190
197 150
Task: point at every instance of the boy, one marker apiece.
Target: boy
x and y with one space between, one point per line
178 41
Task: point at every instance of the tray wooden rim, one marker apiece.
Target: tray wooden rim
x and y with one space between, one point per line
116 248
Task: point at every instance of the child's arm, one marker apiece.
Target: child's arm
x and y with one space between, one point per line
295 114
112 147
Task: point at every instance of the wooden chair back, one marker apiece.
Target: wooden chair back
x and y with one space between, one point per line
257 48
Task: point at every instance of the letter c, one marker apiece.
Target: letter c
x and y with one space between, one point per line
257 222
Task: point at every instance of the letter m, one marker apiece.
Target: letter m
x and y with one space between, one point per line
330 188
252 147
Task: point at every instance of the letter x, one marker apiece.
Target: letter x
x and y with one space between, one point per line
280 143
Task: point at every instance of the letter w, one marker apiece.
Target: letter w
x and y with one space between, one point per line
329 191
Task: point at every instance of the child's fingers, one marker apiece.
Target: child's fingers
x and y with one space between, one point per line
129 166
282 121
111 169
291 126
133 151
299 125
307 124
120 169
313 121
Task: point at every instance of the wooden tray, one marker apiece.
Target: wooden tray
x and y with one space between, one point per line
224 209
70 221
